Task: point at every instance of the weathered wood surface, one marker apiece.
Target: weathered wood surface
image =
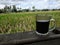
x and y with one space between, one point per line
29 38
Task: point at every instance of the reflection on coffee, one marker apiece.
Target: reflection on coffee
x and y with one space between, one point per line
42 26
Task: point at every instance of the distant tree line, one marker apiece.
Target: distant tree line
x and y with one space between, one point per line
8 9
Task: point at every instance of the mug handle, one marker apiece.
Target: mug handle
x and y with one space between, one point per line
54 26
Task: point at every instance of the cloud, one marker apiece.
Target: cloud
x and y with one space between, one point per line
2 6
10 2
39 4
54 4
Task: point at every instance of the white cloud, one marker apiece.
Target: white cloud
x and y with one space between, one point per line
40 4
2 6
54 4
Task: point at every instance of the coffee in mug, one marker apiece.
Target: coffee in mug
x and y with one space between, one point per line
42 24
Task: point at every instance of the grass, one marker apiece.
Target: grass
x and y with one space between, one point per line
23 21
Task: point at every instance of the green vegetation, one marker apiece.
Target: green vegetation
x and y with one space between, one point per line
23 21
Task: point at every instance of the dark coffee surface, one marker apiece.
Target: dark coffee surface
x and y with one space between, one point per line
42 27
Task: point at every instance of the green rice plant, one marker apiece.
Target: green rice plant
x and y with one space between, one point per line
25 21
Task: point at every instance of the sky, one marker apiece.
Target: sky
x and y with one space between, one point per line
39 4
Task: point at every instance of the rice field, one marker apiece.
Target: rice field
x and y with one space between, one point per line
23 21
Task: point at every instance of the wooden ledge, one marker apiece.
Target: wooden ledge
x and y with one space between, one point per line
26 38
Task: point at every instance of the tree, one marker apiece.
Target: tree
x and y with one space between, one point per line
6 9
9 8
1 11
45 9
14 9
58 9
33 8
20 9
25 10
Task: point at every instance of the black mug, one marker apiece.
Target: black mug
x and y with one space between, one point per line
43 26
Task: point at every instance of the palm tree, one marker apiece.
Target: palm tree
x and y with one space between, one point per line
14 8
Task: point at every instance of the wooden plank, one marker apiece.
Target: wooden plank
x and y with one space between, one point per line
26 38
